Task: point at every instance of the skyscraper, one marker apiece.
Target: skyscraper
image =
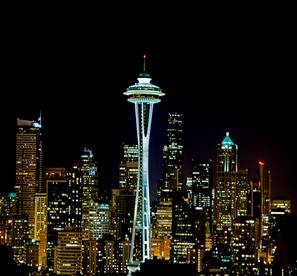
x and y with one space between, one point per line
41 227
89 174
162 227
173 154
29 157
183 239
245 246
144 95
58 204
202 177
263 175
129 168
226 181
242 193
264 179
68 252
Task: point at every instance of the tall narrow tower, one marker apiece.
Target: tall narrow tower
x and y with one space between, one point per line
226 179
144 95
28 179
173 152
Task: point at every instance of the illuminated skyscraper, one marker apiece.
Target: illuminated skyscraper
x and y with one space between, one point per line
263 176
129 168
173 154
58 206
68 252
144 95
264 179
41 227
202 177
28 180
162 227
226 181
242 193
75 180
244 243
280 214
19 237
88 171
183 239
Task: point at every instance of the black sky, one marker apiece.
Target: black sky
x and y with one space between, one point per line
225 70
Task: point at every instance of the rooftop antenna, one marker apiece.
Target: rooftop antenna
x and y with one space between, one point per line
39 119
144 57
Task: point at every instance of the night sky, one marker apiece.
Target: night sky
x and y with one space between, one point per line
225 71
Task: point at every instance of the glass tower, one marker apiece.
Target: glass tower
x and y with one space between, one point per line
173 154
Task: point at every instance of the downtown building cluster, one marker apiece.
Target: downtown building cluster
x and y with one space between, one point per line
215 221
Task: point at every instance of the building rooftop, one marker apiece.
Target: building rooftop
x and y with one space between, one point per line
28 123
227 140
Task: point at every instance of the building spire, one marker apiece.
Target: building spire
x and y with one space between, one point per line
144 57
40 118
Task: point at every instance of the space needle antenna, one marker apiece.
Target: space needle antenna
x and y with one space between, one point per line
144 57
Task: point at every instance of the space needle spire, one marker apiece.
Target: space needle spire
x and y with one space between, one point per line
144 57
144 95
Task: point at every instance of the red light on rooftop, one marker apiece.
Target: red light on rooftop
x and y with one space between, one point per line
261 163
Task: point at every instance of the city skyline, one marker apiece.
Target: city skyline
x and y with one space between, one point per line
208 184
235 78
68 160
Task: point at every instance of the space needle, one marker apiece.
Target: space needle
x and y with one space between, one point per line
144 95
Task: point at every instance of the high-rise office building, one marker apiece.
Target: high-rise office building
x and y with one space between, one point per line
103 220
202 184
221 257
162 227
143 95
124 209
121 223
242 193
88 173
88 167
163 217
58 206
183 239
124 201
263 180
19 237
41 227
68 252
89 257
129 168
107 262
244 244
75 180
29 159
255 200
173 155
279 216
225 184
